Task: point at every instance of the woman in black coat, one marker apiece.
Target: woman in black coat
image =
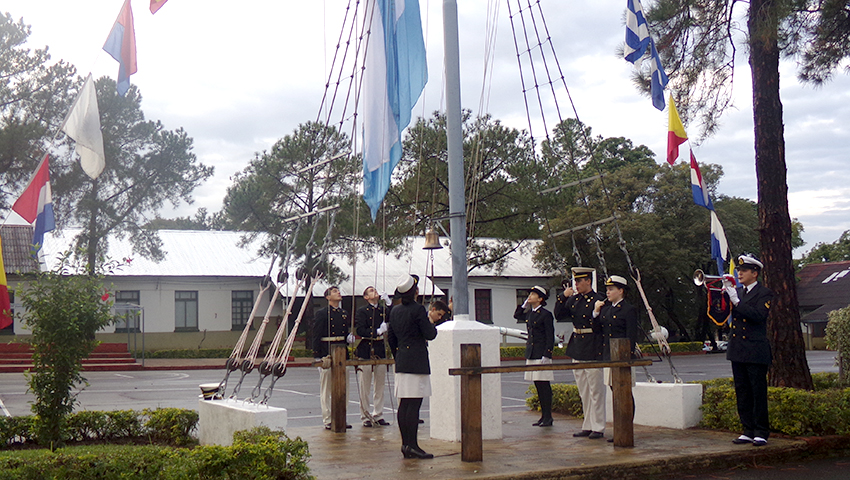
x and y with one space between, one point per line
538 349
410 328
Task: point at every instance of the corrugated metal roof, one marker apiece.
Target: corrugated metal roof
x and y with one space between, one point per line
214 253
17 244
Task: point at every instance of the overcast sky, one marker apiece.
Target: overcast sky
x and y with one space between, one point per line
237 76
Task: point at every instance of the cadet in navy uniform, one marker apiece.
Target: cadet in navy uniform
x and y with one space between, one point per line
330 328
619 320
410 328
749 350
585 345
370 323
538 349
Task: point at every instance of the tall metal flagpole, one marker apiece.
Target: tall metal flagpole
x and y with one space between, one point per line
454 131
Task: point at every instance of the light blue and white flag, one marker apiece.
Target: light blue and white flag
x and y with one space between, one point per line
395 75
659 79
637 33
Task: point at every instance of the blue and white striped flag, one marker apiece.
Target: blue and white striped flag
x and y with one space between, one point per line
637 33
658 77
395 75
719 245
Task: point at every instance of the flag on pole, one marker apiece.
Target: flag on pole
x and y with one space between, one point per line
719 246
659 79
637 33
5 304
83 125
156 5
395 75
676 134
121 44
698 187
36 204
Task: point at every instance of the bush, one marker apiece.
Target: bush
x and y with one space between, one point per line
838 338
256 455
565 399
171 425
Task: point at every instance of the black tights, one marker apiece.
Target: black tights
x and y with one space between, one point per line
408 420
544 393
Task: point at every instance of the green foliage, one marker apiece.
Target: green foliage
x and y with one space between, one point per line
260 454
837 251
838 338
63 311
824 411
565 399
171 425
15 429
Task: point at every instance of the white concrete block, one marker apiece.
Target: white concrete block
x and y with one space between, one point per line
671 405
444 352
219 419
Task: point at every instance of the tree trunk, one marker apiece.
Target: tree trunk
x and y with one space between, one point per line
789 368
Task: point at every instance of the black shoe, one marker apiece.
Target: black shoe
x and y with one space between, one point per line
742 440
421 421
545 423
367 424
537 423
327 426
595 435
583 433
611 440
415 452
382 422
759 442
348 426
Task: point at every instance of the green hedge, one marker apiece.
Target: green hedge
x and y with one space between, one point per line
170 426
257 454
824 411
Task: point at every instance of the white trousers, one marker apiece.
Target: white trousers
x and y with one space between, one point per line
591 389
325 393
365 377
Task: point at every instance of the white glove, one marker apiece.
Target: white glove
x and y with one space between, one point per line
350 338
386 298
727 283
383 328
733 295
545 360
524 304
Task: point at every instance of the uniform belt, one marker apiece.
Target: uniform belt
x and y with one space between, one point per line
582 330
333 339
377 339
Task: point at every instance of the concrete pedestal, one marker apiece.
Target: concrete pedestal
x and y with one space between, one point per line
219 419
671 405
444 352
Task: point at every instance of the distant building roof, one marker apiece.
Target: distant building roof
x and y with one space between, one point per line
17 246
823 287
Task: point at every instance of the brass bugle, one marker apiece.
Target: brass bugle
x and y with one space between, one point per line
700 278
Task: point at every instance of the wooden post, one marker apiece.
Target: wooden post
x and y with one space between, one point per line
621 381
338 390
471 445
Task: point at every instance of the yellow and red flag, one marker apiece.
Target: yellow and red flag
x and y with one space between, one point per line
156 5
5 305
675 134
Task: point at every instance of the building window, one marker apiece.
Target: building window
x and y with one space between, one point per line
521 297
127 311
185 311
241 304
483 305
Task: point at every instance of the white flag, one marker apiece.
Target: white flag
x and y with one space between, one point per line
83 125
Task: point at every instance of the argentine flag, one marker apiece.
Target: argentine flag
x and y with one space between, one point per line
395 75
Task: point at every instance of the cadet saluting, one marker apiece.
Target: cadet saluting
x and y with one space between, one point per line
749 350
538 348
585 345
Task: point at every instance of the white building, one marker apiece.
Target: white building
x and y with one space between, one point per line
203 292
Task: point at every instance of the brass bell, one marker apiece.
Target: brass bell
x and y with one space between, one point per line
432 240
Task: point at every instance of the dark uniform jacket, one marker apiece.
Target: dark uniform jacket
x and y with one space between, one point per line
329 322
408 336
541 332
367 320
578 309
748 336
620 321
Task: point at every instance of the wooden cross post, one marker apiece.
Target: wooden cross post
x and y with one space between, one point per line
470 405
621 381
338 393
